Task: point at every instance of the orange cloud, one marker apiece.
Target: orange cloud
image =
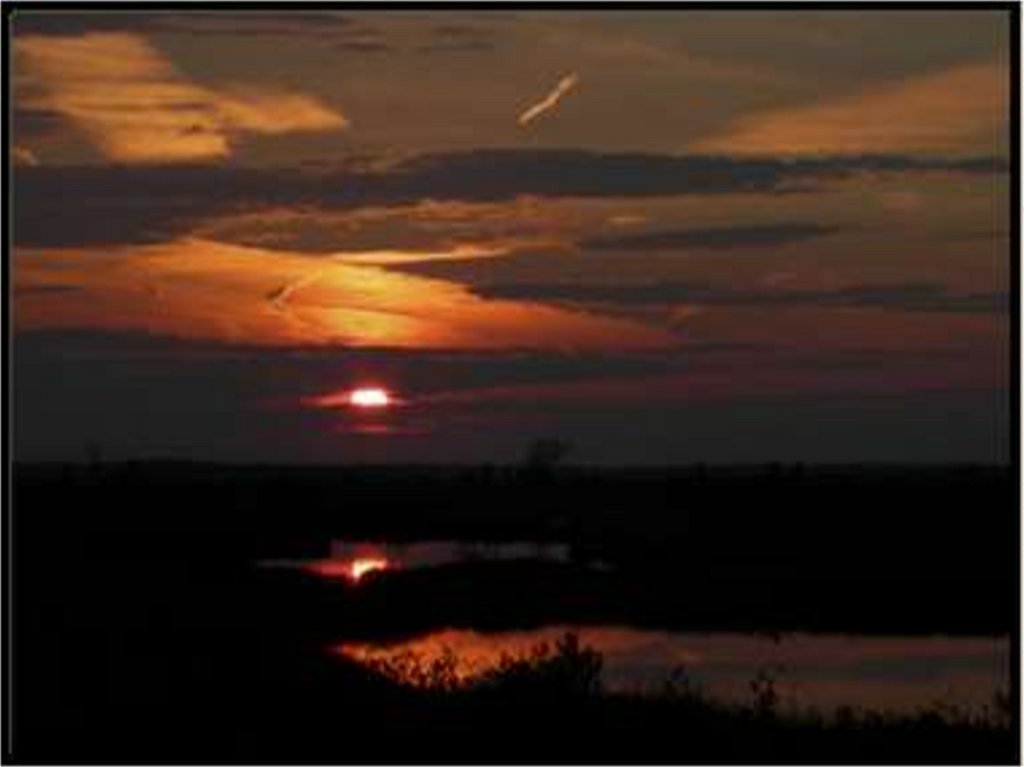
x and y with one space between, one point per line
274 112
135 107
961 109
394 257
209 290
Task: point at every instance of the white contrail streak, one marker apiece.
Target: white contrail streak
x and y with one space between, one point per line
565 85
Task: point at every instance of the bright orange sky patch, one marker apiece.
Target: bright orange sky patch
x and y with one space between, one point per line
208 290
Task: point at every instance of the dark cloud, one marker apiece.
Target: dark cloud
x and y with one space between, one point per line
766 235
131 204
458 46
971 235
365 46
259 22
460 32
42 21
364 38
918 297
910 297
39 21
26 290
459 38
31 124
96 213
493 174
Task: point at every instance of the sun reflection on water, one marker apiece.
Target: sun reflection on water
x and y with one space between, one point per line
353 570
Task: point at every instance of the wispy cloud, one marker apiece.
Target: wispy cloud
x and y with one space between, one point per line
371 45
964 108
135 107
280 295
565 85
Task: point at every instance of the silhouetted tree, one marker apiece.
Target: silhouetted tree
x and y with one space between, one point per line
544 456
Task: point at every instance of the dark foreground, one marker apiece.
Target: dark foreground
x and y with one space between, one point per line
143 632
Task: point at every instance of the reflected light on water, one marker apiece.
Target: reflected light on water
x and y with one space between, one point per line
350 569
826 671
350 560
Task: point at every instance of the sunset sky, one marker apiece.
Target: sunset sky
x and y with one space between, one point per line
663 237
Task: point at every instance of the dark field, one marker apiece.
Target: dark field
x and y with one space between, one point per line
143 629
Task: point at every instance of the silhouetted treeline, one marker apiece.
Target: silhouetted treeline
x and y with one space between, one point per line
936 527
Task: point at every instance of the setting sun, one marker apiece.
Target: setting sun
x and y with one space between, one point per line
369 397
